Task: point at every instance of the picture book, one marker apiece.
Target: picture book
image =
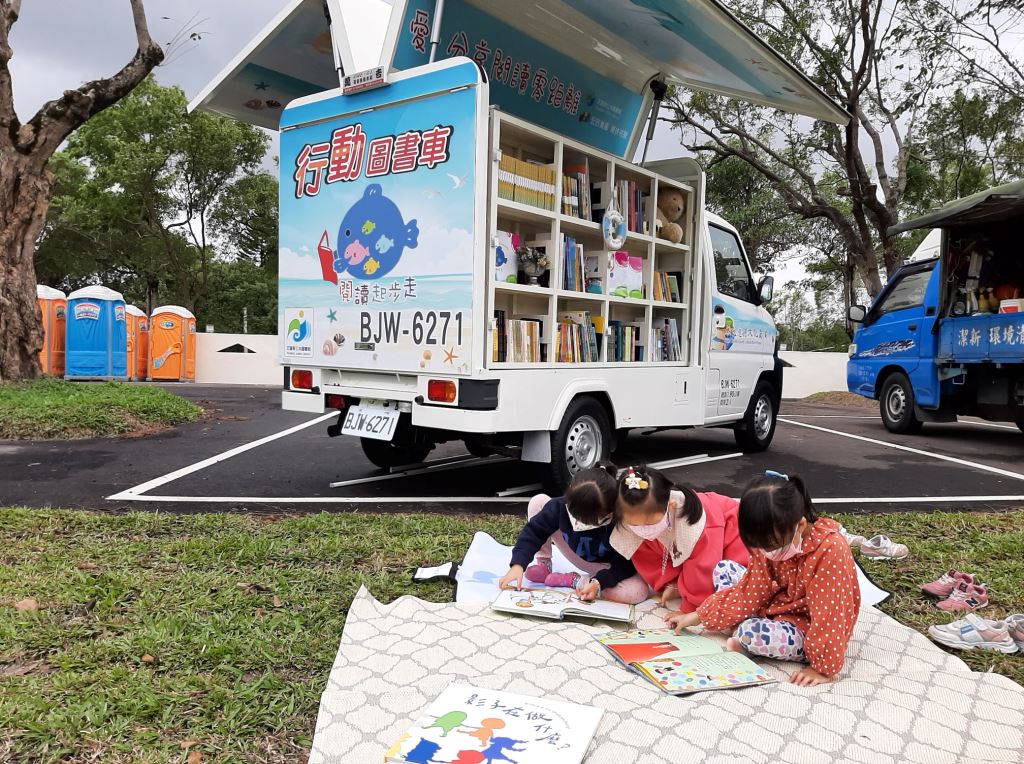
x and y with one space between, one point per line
471 725
556 604
681 664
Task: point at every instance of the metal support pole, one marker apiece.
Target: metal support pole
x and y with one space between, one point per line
435 32
338 67
659 88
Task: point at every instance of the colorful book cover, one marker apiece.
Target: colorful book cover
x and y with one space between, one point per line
472 725
681 664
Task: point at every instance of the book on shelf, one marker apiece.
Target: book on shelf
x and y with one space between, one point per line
675 281
633 205
506 259
464 719
573 267
665 341
556 604
516 340
624 341
576 341
666 286
576 189
681 664
526 182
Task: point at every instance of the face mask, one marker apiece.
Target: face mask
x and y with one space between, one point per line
787 552
650 532
581 527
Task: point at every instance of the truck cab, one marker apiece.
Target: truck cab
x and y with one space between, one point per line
945 337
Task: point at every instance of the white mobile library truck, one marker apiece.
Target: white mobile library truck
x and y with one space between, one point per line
467 252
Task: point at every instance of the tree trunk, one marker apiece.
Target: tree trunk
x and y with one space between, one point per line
24 199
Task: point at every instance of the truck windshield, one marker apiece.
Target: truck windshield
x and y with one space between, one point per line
907 293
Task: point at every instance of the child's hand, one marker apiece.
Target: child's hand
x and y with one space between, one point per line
588 591
513 579
669 593
680 620
808 677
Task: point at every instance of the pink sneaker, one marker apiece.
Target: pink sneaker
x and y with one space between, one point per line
942 586
540 570
568 580
965 597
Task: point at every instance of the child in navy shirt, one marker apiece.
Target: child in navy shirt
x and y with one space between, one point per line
579 524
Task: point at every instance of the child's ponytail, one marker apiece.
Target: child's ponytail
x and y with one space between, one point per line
636 483
771 507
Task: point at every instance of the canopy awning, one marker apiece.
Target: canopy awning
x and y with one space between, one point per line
999 204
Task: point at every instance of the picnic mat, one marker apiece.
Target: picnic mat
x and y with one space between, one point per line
899 698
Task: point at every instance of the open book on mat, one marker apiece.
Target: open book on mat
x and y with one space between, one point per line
682 663
559 603
469 725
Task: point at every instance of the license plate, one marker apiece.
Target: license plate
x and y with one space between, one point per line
373 422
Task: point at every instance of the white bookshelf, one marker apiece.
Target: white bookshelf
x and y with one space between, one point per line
510 135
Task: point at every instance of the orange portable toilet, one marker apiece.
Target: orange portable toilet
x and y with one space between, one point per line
138 342
53 305
172 344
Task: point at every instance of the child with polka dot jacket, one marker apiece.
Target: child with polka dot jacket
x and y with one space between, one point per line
799 597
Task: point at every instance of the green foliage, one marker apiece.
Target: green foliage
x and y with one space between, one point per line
52 408
220 629
138 198
237 285
246 214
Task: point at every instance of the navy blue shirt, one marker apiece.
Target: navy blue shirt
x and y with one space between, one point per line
592 545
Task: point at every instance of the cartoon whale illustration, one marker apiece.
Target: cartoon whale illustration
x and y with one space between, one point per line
373 219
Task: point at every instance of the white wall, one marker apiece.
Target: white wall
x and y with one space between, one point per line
812 373
261 367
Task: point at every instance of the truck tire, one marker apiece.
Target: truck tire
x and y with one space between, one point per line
896 405
1020 424
757 428
583 439
386 454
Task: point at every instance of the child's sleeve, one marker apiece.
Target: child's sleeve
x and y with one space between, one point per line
537 530
729 607
833 601
618 571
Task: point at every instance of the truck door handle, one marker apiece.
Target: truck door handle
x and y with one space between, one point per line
911 327
719 309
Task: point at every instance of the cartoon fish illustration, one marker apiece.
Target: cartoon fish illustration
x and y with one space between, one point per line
384 244
370 267
500 257
353 245
368 227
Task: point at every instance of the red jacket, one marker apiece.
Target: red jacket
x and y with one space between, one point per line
816 591
694 549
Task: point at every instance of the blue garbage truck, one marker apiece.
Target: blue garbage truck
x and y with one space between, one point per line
945 337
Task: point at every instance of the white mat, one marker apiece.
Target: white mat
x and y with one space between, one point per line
899 698
486 561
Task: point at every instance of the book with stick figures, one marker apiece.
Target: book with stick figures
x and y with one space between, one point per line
681 664
471 725
556 604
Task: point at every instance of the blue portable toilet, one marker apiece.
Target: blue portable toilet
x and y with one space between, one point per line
97 335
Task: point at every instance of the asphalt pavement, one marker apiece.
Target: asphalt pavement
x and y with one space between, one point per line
247 454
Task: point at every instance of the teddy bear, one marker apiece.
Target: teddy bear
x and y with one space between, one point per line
671 207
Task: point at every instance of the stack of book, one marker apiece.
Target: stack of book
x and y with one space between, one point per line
631 204
572 275
526 182
515 340
624 342
576 190
576 341
666 286
665 343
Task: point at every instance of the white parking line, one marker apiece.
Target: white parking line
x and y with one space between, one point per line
924 500
149 485
325 499
920 452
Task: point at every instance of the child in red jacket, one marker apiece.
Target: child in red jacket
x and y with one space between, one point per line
674 536
799 598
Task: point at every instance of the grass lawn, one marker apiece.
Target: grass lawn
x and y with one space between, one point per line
152 638
54 408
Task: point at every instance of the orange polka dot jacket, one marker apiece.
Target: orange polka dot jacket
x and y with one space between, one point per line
816 591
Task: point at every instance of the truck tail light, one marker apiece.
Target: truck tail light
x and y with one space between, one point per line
334 401
441 390
302 379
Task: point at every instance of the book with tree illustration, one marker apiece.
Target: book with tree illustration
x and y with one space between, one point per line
556 604
471 725
681 664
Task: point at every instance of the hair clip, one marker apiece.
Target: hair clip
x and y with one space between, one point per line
774 474
635 482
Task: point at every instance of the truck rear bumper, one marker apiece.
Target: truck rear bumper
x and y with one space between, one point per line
310 403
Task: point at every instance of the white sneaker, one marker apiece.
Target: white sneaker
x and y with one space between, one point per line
1015 625
883 548
974 633
851 538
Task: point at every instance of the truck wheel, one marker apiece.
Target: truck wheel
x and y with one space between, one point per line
582 440
1020 423
757 428
896 404
386 454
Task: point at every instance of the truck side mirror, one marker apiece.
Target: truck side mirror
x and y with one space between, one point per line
765 289
857 313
